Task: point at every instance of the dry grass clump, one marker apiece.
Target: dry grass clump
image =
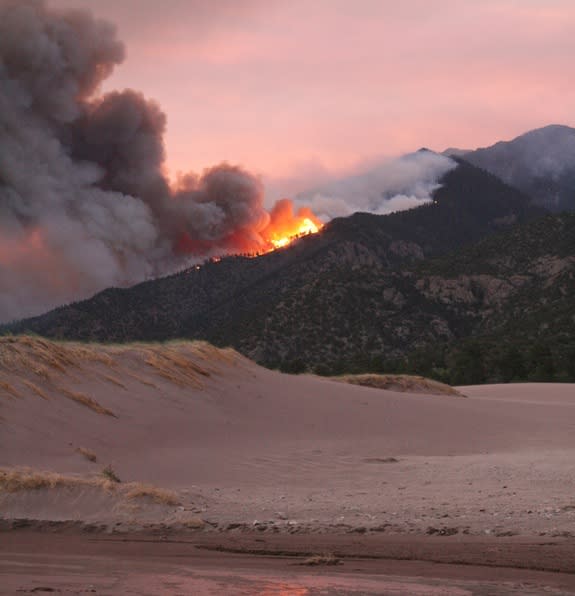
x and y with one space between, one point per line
181 361
37 390
325 559
402 383
157 495
139 379
114 381
194 523
26 352
84 400
20 479
109 474
209 352
175 366
9 389
42 372
13 480
23 351
88 454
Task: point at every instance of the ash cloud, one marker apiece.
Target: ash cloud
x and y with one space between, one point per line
395 185
84 202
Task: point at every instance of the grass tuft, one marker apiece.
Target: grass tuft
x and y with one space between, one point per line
37 390
9 389
176 368
109 474
88 454
84 400
325 559
13 480
194 523
155 494
402 383
114 381
20 479
139 379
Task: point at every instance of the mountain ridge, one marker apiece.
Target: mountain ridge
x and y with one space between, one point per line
422 290
218 301
540 163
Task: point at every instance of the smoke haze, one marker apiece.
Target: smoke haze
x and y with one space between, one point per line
395 185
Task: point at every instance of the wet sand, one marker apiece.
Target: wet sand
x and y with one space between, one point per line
76 563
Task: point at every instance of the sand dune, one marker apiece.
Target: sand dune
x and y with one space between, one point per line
241 444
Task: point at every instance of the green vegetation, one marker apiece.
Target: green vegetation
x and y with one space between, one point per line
474 287
491 360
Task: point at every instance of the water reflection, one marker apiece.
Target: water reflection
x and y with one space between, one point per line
281 589
330 585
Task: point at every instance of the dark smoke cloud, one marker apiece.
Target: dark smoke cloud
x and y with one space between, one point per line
84 202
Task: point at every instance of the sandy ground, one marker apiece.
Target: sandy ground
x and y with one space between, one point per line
252 452
71 563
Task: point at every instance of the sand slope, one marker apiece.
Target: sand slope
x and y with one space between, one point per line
242 444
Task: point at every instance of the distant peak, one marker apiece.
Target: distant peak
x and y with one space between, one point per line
455 152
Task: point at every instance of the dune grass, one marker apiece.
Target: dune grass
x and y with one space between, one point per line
87 401
139 379
109 473
9 389
31 365
157 495
183 363
14 480
175 367
114 381
88 454
35 389
36 353
402 383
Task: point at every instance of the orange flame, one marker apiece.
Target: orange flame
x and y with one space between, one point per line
282 225
285 225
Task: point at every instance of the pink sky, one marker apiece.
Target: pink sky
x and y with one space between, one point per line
299 90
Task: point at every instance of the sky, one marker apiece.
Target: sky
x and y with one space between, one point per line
264 99
300 92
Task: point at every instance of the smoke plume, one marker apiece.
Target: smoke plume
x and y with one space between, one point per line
398 184
84 202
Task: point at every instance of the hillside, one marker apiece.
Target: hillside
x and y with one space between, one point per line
361 296
514 287
267 306
540 163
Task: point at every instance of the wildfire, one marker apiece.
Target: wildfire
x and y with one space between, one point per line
281 226
307 226
285 225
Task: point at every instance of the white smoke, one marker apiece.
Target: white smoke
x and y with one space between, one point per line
395 185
